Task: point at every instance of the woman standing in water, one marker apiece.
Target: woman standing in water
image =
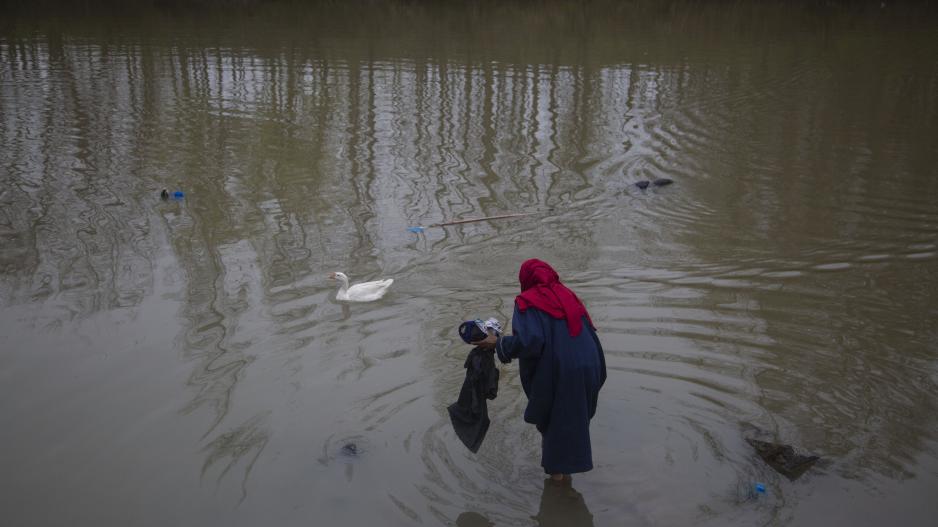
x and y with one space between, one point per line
561 365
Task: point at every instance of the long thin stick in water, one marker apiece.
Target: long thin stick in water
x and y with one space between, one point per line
473 220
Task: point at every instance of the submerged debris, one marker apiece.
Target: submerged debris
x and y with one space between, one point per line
783 458
350 449
473 519
660 182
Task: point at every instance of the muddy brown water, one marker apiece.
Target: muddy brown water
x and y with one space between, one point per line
184 362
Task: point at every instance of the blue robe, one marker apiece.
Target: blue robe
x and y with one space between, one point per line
561 375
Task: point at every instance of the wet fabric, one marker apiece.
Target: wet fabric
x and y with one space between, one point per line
561 375
541 288
473 330
470 414
783 458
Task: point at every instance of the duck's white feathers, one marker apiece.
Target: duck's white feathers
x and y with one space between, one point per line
363 292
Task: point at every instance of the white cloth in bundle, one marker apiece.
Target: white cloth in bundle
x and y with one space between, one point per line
491 323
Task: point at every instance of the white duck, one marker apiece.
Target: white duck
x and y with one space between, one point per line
363 292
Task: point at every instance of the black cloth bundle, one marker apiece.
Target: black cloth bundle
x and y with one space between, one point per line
470 414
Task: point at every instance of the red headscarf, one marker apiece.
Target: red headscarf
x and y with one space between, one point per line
541 288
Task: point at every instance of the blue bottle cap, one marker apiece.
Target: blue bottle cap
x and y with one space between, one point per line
178 194
760 488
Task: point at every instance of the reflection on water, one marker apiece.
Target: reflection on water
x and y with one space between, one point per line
783 283
227 450
561 504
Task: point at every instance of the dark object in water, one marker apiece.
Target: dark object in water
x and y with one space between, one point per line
643 184
470 414
164 194
350 449
783 458
660 182
473 519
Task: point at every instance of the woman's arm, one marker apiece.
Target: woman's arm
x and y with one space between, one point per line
527 340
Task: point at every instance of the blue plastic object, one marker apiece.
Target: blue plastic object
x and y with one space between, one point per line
178 194
760 488
417 230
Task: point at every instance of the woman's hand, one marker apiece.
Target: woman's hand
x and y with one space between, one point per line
488 342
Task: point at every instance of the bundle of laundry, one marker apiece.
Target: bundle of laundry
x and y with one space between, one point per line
469 414
475 330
